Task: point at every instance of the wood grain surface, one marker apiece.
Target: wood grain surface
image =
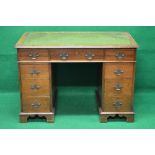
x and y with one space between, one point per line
116 52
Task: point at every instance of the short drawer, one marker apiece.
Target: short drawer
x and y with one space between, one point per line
76 54
118 88
36 87
36 104
120 55
32 71
33 55
117 104
118 70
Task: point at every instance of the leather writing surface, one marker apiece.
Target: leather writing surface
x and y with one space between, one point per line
76 39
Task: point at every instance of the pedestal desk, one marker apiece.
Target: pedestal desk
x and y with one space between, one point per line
37 51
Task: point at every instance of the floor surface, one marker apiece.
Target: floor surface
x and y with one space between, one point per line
77 109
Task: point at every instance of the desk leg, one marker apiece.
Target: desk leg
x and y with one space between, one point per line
23 118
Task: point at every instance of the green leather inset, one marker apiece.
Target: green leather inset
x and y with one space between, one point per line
76 39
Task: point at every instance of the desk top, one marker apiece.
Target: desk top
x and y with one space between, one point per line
76 40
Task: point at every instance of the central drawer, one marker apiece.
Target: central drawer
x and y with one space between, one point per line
35 87
76 54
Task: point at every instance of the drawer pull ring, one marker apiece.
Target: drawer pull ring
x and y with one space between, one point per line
118 87
64 56
35 87
34 71
117 104
89 56
33 56
35 104
118 72
120 55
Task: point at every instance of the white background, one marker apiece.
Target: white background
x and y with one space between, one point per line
77 142
77 13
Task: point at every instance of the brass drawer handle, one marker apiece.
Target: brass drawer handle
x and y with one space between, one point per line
118 87
89 56
35 87
117 104
34 71
33 56
118 72
35 104
64 56
120 55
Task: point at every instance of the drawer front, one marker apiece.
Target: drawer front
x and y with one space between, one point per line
118 70
36 104
36 87
120 54
33 55
30 71
118 88
117 104
76 54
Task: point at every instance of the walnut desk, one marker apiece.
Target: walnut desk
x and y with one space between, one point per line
116 51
